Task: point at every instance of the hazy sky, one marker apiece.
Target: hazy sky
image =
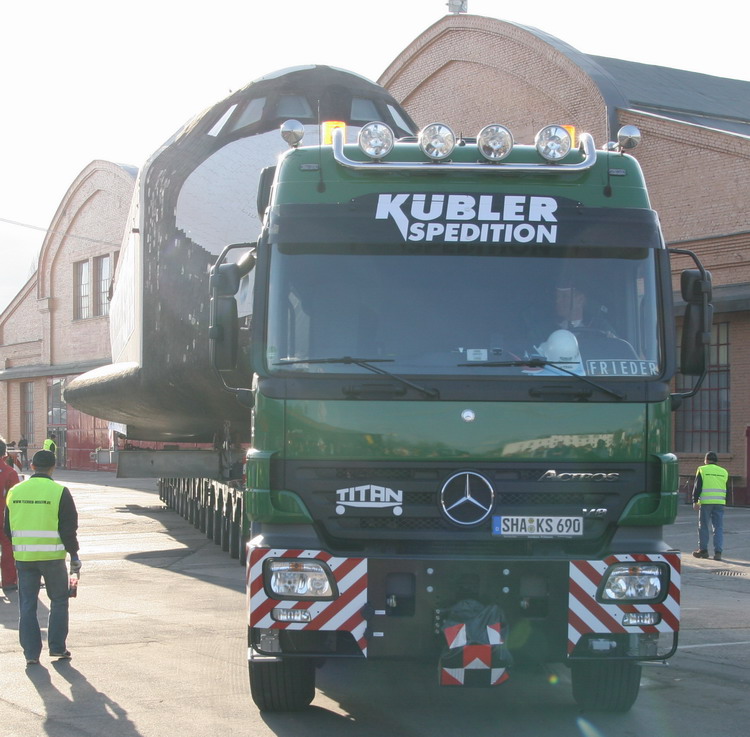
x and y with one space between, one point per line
86 79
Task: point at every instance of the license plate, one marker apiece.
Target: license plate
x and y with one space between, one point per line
536 526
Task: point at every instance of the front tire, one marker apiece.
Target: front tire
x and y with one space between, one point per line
606 686
285 685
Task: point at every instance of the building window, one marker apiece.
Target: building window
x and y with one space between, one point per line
103 279
82 282
27 410
57 410
702 422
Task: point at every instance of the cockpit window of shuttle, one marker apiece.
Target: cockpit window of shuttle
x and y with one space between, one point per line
294 106
364 110
251 114
399 120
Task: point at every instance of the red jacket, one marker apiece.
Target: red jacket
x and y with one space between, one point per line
8 479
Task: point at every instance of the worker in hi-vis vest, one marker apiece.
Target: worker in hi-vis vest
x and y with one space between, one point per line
42 522
50 444
710 498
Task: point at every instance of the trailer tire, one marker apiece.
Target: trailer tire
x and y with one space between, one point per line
235 536
606 686
218 522
285 685
226 524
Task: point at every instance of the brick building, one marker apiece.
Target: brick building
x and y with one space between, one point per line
468 71
57 326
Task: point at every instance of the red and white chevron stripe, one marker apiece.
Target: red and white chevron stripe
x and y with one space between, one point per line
588 616
343 613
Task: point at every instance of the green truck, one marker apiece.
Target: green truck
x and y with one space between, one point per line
458 378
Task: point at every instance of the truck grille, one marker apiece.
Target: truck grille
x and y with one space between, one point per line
411 497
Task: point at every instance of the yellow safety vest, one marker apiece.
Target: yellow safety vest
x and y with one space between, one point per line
714 488
50 445
34 507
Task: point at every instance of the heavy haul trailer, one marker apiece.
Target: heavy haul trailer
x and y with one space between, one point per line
440 467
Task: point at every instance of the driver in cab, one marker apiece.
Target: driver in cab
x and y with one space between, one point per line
574 312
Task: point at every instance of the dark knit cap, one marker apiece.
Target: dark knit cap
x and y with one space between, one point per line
43 459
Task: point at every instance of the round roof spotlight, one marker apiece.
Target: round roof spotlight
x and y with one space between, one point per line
437 141
292 131
553 143
495 142
628 137
375 140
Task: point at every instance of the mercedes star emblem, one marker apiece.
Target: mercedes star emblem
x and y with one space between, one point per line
466 498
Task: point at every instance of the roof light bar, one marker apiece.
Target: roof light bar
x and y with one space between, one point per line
440 140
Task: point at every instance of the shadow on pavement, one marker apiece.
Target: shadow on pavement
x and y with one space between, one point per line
86 712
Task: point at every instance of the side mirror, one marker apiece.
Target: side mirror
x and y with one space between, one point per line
695 286
223 333
224 280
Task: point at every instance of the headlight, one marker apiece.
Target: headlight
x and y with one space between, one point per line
495 142
553 142
437 141
298 579
634 583
376 140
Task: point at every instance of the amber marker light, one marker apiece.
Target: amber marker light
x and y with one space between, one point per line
327 128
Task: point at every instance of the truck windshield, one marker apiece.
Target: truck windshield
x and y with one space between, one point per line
445 309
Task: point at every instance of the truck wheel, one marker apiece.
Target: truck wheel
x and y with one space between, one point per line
286 685
601 686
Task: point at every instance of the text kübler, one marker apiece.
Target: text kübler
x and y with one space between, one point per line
469 218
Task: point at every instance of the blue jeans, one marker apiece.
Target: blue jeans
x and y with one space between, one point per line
30 575
711 516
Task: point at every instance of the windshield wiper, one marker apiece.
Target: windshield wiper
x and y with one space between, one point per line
540 362
365 363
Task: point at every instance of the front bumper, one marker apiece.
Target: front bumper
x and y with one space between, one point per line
395 607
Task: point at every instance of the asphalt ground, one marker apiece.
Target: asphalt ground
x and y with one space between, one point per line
158 642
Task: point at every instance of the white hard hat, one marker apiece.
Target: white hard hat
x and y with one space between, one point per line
562 348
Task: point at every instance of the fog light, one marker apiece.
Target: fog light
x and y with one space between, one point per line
641 619
291 615
634 582
601 644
